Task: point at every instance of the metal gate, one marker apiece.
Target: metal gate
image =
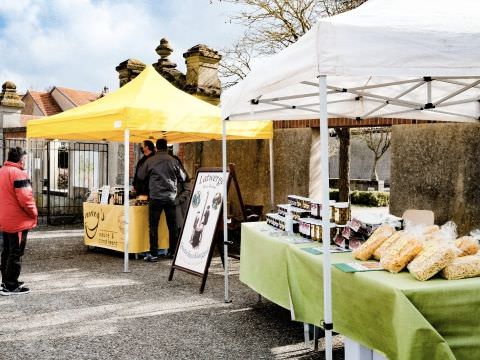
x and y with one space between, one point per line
62 174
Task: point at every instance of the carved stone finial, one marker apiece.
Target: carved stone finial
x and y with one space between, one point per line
9 96
164 50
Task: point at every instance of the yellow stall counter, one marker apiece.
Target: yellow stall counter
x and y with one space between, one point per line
104 228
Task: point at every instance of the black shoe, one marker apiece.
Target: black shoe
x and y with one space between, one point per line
20 284
150 258
18 291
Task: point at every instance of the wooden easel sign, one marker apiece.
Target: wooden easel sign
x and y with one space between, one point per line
196 242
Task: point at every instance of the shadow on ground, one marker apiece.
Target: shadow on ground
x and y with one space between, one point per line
82 306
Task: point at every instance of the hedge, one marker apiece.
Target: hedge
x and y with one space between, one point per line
367 198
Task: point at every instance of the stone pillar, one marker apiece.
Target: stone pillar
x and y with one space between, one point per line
10 110
10 106
202 73
129 70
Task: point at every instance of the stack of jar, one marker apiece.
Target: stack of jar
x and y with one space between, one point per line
307 216
117 196
339 211
279 222
297 213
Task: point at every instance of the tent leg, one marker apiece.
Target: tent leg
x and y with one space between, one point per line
272 178
126 198
29 158
327 281
225 210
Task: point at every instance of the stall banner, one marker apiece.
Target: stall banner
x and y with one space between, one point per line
104 228
198 232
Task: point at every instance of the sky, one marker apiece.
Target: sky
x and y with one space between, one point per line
78 43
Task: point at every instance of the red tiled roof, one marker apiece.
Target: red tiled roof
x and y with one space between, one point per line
78 97
45 102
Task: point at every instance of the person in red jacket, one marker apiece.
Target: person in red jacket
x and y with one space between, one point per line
18 214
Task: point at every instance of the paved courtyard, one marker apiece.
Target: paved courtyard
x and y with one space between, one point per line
82 306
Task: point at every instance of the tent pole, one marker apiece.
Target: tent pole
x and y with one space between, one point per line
29 158
272 183
327 281
126 198
224 207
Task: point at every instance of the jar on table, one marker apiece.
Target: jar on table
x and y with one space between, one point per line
308 230
342 213
292 200
301 228
333 234
306 204
315 207
313 234
332 211
298 202
318 231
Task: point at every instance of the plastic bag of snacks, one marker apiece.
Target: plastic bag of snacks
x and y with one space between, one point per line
378 237
466 245
462 268
430 261
377 254
446 234
395 258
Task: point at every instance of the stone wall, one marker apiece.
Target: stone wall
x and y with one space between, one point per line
436 167
291 164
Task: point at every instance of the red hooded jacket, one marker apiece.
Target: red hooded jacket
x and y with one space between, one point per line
17 205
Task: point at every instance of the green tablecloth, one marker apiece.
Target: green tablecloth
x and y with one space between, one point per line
392 313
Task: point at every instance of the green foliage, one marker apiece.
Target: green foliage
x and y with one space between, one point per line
62 180
370 198
334 194
367 198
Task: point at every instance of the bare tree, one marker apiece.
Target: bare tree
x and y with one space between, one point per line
378 140
235 63
272 25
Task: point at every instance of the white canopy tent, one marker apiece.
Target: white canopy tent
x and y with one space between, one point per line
404 59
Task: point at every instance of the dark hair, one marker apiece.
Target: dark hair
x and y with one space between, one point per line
148 144
15 154
162 144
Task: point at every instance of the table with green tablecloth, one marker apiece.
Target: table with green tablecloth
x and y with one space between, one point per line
392 313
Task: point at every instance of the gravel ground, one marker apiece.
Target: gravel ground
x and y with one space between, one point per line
82 306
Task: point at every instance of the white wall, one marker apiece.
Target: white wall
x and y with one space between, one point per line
64 103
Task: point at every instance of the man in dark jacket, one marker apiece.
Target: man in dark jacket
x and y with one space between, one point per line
183 196
18 214
141 186
164 175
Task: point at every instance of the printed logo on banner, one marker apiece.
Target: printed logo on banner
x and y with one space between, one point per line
92 220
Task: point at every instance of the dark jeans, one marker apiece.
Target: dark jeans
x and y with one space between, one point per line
155 208
13 249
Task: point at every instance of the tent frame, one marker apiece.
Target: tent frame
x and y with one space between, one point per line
364 93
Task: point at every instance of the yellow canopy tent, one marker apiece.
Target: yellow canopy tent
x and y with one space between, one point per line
147 107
